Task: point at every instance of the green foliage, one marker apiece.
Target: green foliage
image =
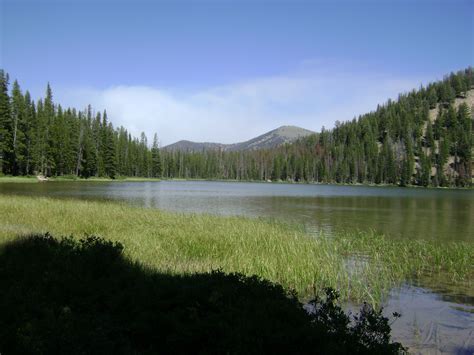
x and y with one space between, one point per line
156 167
367 332
46 139
6 127
424 170
76 297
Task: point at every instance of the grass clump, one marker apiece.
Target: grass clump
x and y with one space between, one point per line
380 263
18 179
362 266
85 297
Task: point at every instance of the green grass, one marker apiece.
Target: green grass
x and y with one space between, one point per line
363 266
18 179
33 179
102 179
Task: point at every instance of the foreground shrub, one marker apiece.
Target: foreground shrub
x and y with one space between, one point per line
81 297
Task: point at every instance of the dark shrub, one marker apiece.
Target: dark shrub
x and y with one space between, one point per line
84 297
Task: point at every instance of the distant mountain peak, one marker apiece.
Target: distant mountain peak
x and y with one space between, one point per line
271 139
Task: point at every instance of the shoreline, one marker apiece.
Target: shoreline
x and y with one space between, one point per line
34 179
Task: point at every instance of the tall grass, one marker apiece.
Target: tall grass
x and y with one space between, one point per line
363 266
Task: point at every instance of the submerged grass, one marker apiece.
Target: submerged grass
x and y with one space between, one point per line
363 266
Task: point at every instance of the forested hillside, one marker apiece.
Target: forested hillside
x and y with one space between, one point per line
424 138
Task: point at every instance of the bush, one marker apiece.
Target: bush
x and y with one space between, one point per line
85 297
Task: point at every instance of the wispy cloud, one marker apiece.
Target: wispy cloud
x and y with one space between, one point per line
239 111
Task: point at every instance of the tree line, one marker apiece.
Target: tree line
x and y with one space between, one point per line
423 138
43 138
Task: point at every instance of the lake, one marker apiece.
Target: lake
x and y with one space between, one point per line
438 214
435 317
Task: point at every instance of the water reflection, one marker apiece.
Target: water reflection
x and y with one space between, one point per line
429 323
395 212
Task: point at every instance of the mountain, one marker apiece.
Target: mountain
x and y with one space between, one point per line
279 136
423 138
194 146
272 139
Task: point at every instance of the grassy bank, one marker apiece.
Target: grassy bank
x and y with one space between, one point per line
362 266
33 179
18 179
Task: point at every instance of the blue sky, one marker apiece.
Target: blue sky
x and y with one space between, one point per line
229 70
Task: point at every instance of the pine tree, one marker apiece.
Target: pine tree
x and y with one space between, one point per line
432 97
110 162
446 93
29 130
157 170
48 138
408 160
6 127
424 170
458 85
442 158
464 137
18 121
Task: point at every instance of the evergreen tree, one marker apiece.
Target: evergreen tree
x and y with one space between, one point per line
424 170
29 131
380 146
6 127
458 85
464 136
157 170
110 162
18 122
432 97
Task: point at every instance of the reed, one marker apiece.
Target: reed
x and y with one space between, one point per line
362 266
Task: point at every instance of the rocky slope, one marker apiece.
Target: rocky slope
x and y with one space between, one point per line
274 138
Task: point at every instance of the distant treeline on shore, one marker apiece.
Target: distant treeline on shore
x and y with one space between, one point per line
423 138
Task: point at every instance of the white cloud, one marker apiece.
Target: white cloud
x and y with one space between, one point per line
242 110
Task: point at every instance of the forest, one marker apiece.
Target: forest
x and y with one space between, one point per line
423 138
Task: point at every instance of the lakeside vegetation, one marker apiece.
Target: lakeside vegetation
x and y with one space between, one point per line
34 179
362 266
423 138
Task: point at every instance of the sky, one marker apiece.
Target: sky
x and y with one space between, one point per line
227 71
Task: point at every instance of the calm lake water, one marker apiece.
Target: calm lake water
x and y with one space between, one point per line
436 318
395 212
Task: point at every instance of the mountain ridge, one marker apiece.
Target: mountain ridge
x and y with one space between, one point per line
276 137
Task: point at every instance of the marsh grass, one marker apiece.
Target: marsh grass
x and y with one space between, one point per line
363 266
